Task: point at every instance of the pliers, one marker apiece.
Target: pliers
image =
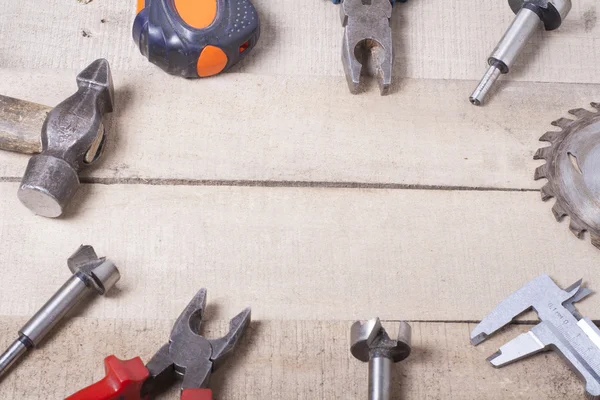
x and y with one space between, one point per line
188 357
367 35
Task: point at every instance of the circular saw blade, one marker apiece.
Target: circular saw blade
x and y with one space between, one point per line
573 171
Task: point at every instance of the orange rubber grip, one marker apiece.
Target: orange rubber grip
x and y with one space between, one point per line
195 38
198 14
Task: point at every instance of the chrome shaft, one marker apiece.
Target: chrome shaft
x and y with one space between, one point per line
90 275
380 369
525 24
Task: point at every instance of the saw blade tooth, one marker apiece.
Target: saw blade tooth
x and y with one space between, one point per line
582 113
540 172
595 240
546 192
563 122
558 211
551 136
576 228
542 153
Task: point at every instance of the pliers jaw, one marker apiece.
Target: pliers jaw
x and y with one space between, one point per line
189 356
367 33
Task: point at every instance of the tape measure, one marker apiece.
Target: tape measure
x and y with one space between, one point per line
195 38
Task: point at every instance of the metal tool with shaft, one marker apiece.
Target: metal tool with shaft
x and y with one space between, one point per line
562 328
188 356
371 343
367 32
530 15
90 275
72 138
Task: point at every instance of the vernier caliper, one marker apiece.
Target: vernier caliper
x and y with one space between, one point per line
562 328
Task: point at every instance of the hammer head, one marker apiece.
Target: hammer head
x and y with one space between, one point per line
73 137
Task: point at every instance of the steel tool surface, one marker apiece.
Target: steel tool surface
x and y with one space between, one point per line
195 38
530 16
367 42
573 169
72 138
188 357
371 343
562 328
90 275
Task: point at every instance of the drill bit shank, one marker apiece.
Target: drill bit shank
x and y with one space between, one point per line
530 16
90 274
371 343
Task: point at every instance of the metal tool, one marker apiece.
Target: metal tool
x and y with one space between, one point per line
188 357
562 328
90 274
371 343
72 138
194 38
572 168
367 32
530 15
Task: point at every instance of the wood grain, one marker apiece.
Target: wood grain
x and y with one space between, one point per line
273 187
293 360
21 124
311 130
431 40
296 253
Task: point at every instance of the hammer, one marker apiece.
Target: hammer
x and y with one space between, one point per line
72 138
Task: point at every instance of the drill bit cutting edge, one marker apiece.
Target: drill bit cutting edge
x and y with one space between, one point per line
371 343
90 274
530 15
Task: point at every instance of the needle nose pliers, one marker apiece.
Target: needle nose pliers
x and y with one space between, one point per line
188 356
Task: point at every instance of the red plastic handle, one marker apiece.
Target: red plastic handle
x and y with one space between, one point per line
123 381
196 394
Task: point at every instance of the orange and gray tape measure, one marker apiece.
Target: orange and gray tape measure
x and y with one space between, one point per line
195 38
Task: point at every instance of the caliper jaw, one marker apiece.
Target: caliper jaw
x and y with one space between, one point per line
524 299
562 328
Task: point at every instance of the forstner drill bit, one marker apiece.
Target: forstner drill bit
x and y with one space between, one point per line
90 274
371 343
530 15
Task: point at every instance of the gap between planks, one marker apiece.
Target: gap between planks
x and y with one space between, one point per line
283 184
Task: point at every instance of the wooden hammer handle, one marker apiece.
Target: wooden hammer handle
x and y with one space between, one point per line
21 125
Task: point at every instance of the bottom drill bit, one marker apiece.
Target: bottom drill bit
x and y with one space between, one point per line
371 343
90 274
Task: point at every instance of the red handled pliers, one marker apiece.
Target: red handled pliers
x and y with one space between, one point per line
187 356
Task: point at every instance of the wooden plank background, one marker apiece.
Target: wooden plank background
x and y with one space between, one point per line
273 187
